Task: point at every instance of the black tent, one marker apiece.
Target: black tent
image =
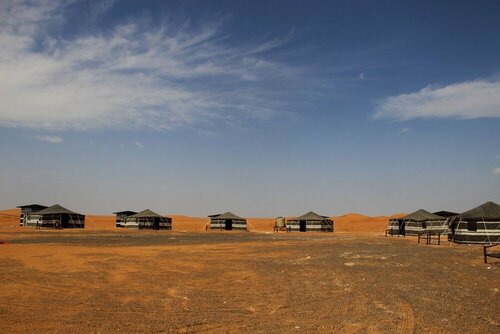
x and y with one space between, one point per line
416 222
480 225
310 222
148 219
59 217
227 221
121 217
28 214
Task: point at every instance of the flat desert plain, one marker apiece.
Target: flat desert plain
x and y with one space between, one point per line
108 280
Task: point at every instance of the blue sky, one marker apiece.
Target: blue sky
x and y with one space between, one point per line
263 108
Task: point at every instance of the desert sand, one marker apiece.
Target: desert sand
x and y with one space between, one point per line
107 280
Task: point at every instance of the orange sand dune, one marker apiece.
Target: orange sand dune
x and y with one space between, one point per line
10 218
348 223
187 223
260 224
352 216
100 222
357 223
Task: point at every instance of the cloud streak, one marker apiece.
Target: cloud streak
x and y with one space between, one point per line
465 100
403 131
50 139
133 75
496 171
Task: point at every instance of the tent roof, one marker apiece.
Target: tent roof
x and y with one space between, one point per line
227 215
488 210
55 210
125 212
446 214
146 213
33 206
421 215
311 216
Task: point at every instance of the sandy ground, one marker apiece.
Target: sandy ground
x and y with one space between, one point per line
109 281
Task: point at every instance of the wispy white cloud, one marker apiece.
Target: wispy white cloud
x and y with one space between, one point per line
50 139
139 145
465 100
403 131
134 75
496 170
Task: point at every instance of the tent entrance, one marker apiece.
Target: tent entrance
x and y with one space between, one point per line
402 226
302 225
453 228
64 220
228 224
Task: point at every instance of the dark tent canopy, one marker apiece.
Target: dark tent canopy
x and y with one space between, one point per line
146 214
126 212
56 209
227 215
312 216
33 207
446 214
486 211
421 216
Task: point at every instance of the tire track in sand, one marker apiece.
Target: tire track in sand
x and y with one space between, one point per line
342 312
407 325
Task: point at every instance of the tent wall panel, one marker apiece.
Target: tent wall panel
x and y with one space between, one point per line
414 228
311 225
486 232
220 224
34 220
393 226
63 220
148 219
